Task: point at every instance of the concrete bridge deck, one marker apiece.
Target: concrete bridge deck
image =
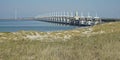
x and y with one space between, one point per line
74 20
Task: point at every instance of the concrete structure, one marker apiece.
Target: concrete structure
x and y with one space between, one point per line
70 18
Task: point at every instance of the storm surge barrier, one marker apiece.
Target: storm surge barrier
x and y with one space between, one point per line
70 18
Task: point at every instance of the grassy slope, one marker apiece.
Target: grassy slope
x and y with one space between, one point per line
100 42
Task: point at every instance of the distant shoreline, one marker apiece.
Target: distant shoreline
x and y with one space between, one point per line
16 19
34 18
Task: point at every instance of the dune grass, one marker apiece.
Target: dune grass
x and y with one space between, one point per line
100 42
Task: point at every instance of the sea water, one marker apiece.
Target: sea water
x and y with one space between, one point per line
32 25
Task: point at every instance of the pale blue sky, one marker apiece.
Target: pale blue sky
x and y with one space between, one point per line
29 8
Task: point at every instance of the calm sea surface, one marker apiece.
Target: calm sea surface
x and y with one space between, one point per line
31 25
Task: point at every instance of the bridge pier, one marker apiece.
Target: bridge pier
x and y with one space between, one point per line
71 20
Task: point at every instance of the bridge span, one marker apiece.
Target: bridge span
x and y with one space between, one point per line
69 18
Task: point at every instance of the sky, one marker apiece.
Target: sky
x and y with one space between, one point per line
32 8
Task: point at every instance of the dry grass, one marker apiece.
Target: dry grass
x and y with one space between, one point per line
99 42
